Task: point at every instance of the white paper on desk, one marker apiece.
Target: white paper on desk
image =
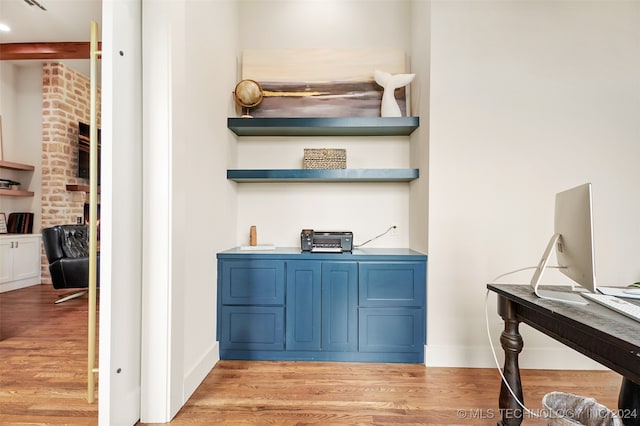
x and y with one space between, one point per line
619 292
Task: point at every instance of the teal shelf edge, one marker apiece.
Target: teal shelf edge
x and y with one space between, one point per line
323 126
323 175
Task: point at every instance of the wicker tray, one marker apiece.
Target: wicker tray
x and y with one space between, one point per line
324 158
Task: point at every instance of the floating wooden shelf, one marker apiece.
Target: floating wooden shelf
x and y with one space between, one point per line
80 188
20 167
16 166
323 175
324 126
16 193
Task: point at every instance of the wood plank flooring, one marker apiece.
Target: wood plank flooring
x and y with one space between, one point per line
43 353
301 393
43 382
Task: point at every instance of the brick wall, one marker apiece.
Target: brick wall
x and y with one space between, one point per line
65 101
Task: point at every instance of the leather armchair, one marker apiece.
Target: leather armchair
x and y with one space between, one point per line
67 250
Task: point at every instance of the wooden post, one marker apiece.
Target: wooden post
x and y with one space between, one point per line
511 340
93 215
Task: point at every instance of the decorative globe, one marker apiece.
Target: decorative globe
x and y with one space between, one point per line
248 94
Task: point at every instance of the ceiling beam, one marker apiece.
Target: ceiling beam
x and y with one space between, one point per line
45 51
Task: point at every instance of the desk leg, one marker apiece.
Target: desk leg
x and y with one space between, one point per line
512 344
629 402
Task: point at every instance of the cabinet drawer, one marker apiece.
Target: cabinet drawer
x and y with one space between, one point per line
257 282
391 330
252 328
392 284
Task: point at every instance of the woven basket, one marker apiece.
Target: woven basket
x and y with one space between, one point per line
566 409
325 158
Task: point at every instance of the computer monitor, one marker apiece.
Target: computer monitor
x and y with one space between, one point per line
573 244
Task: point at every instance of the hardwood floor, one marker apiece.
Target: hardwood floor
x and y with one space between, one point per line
299 393
43 348
43 362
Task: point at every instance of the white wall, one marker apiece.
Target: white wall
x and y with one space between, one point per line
324 24
189 54
419 150
8 104
280 211
208 199
527 99
21 112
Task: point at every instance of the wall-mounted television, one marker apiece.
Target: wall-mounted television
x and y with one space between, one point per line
83 151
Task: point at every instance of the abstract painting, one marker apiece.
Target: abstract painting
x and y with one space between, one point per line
322 82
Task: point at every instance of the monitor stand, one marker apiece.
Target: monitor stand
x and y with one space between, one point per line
558 296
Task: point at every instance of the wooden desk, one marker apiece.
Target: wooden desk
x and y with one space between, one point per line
603 335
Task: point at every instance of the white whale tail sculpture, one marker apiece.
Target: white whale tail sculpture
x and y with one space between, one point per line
390 83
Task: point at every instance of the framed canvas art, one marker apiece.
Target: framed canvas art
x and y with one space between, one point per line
322 82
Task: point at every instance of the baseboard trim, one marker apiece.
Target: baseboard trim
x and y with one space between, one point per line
197 374
560 358
18 284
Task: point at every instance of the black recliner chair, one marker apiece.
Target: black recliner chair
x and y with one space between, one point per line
67 250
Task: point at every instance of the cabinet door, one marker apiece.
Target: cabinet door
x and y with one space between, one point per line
339 306
26 258
253 282
389 284
391 330
5 261
252 328
303 305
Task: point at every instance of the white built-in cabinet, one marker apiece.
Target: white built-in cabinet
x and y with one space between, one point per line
19 261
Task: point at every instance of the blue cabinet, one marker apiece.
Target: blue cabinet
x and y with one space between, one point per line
339 306
303 305
386 284
252 282
392 298
251 305
321 305
390 330
287 305
253 328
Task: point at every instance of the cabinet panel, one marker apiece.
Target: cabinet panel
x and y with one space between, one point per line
259 282
26 258
392 284
6 262
391 329
303 305
252 328
339 306
19 261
